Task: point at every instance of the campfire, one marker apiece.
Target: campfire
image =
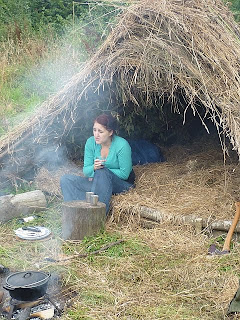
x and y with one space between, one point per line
27 295
43 308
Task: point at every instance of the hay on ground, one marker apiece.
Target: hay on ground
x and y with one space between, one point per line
198 184
191 182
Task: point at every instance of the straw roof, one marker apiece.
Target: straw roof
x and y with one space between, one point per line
158 51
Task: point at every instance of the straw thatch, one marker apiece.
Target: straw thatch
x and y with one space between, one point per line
175 54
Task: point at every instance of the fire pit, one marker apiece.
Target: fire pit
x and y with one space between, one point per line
28 296
27 285
44 308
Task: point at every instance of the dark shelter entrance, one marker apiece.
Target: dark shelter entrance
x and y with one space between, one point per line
163 121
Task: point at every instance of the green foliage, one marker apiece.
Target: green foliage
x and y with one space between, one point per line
18 98
50 12
24 187
235 7
125 248
13 15
19 18
92 23
220 240
94 243
16 104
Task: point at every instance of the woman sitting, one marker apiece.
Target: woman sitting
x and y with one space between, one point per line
107 165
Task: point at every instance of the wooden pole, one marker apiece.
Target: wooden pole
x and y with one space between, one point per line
160 216
81 219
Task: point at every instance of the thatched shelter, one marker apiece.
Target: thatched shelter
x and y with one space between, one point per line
164 60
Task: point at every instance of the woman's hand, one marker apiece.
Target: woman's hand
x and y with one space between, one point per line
98 164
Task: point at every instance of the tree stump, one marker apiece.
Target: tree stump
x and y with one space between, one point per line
12 206
82 219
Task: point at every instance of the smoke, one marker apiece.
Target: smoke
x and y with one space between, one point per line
50 157
56 67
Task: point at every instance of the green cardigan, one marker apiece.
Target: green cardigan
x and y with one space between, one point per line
119 159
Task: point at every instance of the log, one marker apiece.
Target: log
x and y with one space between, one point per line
198 222
82 219
12 206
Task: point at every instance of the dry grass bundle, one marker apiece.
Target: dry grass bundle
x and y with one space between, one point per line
49 181
198 184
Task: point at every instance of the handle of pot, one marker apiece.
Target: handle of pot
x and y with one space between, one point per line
48 275
7 287
27 275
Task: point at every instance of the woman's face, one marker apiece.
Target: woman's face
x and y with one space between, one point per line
101 134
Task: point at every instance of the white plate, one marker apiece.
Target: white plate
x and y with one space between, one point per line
32 235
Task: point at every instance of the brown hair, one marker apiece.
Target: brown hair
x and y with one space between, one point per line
108 121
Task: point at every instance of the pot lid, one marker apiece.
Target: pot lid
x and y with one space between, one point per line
32 233
26 278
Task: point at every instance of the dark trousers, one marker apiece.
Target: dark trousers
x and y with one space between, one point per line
104 184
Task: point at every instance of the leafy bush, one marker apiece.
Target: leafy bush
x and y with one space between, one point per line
235 7
19 18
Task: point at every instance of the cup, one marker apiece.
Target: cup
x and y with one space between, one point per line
103 160
88 196
94 199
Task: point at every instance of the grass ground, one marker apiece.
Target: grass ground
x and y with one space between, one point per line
159 273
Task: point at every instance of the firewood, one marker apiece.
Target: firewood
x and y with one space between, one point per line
12 206
44 314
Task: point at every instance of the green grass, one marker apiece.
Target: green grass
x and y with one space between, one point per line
149 275
95 298
103 238
20 101
3 252
16 105
133 246
79 314
174 311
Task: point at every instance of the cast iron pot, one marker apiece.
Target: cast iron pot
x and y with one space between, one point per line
27 285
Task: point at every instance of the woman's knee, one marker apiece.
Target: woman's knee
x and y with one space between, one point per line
65 179
104 172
